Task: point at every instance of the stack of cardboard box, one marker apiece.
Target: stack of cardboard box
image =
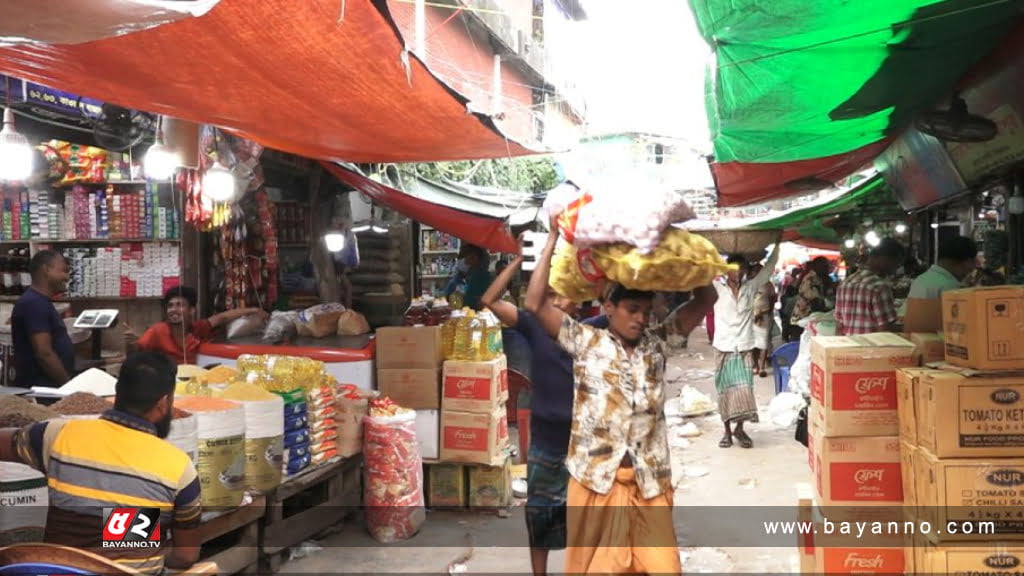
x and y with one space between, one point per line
962 438
854 450
409 361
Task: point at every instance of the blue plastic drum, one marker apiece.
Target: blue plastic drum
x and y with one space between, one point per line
41 569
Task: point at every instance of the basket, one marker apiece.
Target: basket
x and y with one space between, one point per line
750 243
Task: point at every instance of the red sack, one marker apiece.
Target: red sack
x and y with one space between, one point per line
393 486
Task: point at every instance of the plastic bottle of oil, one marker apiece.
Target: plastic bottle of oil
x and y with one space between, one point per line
476 331
461 337
448 334
493 347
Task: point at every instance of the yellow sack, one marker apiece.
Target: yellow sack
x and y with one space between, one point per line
681 262
567 279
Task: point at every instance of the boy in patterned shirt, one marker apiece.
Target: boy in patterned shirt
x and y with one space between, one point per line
619 517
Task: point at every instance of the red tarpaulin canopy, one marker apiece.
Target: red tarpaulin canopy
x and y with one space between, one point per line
484 231
318 78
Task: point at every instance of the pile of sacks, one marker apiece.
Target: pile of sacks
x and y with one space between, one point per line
610 234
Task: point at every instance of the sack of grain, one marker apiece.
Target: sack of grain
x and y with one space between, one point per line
221 454
23 504
264 434
393 481
185 433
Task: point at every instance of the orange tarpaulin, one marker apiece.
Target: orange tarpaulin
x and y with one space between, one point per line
484 231
318 78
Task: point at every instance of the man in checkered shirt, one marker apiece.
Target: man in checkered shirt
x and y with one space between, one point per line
864 302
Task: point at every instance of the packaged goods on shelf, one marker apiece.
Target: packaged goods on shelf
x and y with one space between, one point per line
393 488
295 455
221 454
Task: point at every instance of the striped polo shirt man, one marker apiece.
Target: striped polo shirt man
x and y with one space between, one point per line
114 461
119 460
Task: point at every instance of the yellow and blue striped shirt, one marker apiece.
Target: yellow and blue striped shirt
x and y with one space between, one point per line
114 461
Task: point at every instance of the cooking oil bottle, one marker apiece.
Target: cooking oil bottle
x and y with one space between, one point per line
476 331
493 347
462 338
448 332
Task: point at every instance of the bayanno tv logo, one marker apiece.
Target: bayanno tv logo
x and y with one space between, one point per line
131 528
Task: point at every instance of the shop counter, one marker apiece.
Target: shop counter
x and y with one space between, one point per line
348 358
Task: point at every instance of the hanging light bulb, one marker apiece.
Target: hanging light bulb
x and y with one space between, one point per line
219 183
850 243
160 161
872 238
15 151
901 228
335 241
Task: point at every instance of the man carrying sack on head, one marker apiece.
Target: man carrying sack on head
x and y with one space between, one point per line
619 517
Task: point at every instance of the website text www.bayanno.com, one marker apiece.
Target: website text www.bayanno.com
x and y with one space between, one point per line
861 529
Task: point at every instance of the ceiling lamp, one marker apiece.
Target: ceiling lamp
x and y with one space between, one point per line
901 228
160 161
15 151
850 243
219 183
872 238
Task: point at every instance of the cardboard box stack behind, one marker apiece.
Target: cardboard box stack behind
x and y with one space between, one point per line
409 363
962 437
854 448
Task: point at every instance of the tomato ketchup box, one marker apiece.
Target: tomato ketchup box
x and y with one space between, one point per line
474 438
474 386
853 383
857 471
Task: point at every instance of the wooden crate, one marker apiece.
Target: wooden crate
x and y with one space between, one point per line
231 540
307 504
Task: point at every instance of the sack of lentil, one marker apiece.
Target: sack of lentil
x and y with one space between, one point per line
184 433
264 434
393 486
221 454
81 405
24 499
16 412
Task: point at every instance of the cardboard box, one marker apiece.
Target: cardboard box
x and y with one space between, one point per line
409 347
474 386
964 413
906 401
447 486
474 438
490 486
929 346
908 455
853 380
428 433
982 327
862 471
857 560
995 558
418 389
971 491
805 515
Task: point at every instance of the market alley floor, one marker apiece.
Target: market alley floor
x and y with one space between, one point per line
707 476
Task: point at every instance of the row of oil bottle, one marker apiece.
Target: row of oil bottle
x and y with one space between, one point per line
472 336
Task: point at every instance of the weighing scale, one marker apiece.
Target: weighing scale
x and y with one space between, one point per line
97 321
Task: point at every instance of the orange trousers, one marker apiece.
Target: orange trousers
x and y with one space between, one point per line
619 532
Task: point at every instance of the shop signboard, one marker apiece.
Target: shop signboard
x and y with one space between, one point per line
996 97
49 102
918 169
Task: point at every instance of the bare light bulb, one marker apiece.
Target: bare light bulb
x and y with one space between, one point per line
219 183
901 228
335 242
15 151
850 243
160 162
872 239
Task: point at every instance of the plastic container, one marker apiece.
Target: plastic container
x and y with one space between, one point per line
476 328
24 499
221 460
448 332
460 337
492 345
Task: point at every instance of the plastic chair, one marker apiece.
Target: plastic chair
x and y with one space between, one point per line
782 358
516 381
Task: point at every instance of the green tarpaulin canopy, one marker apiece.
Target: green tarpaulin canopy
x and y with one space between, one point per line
798 80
